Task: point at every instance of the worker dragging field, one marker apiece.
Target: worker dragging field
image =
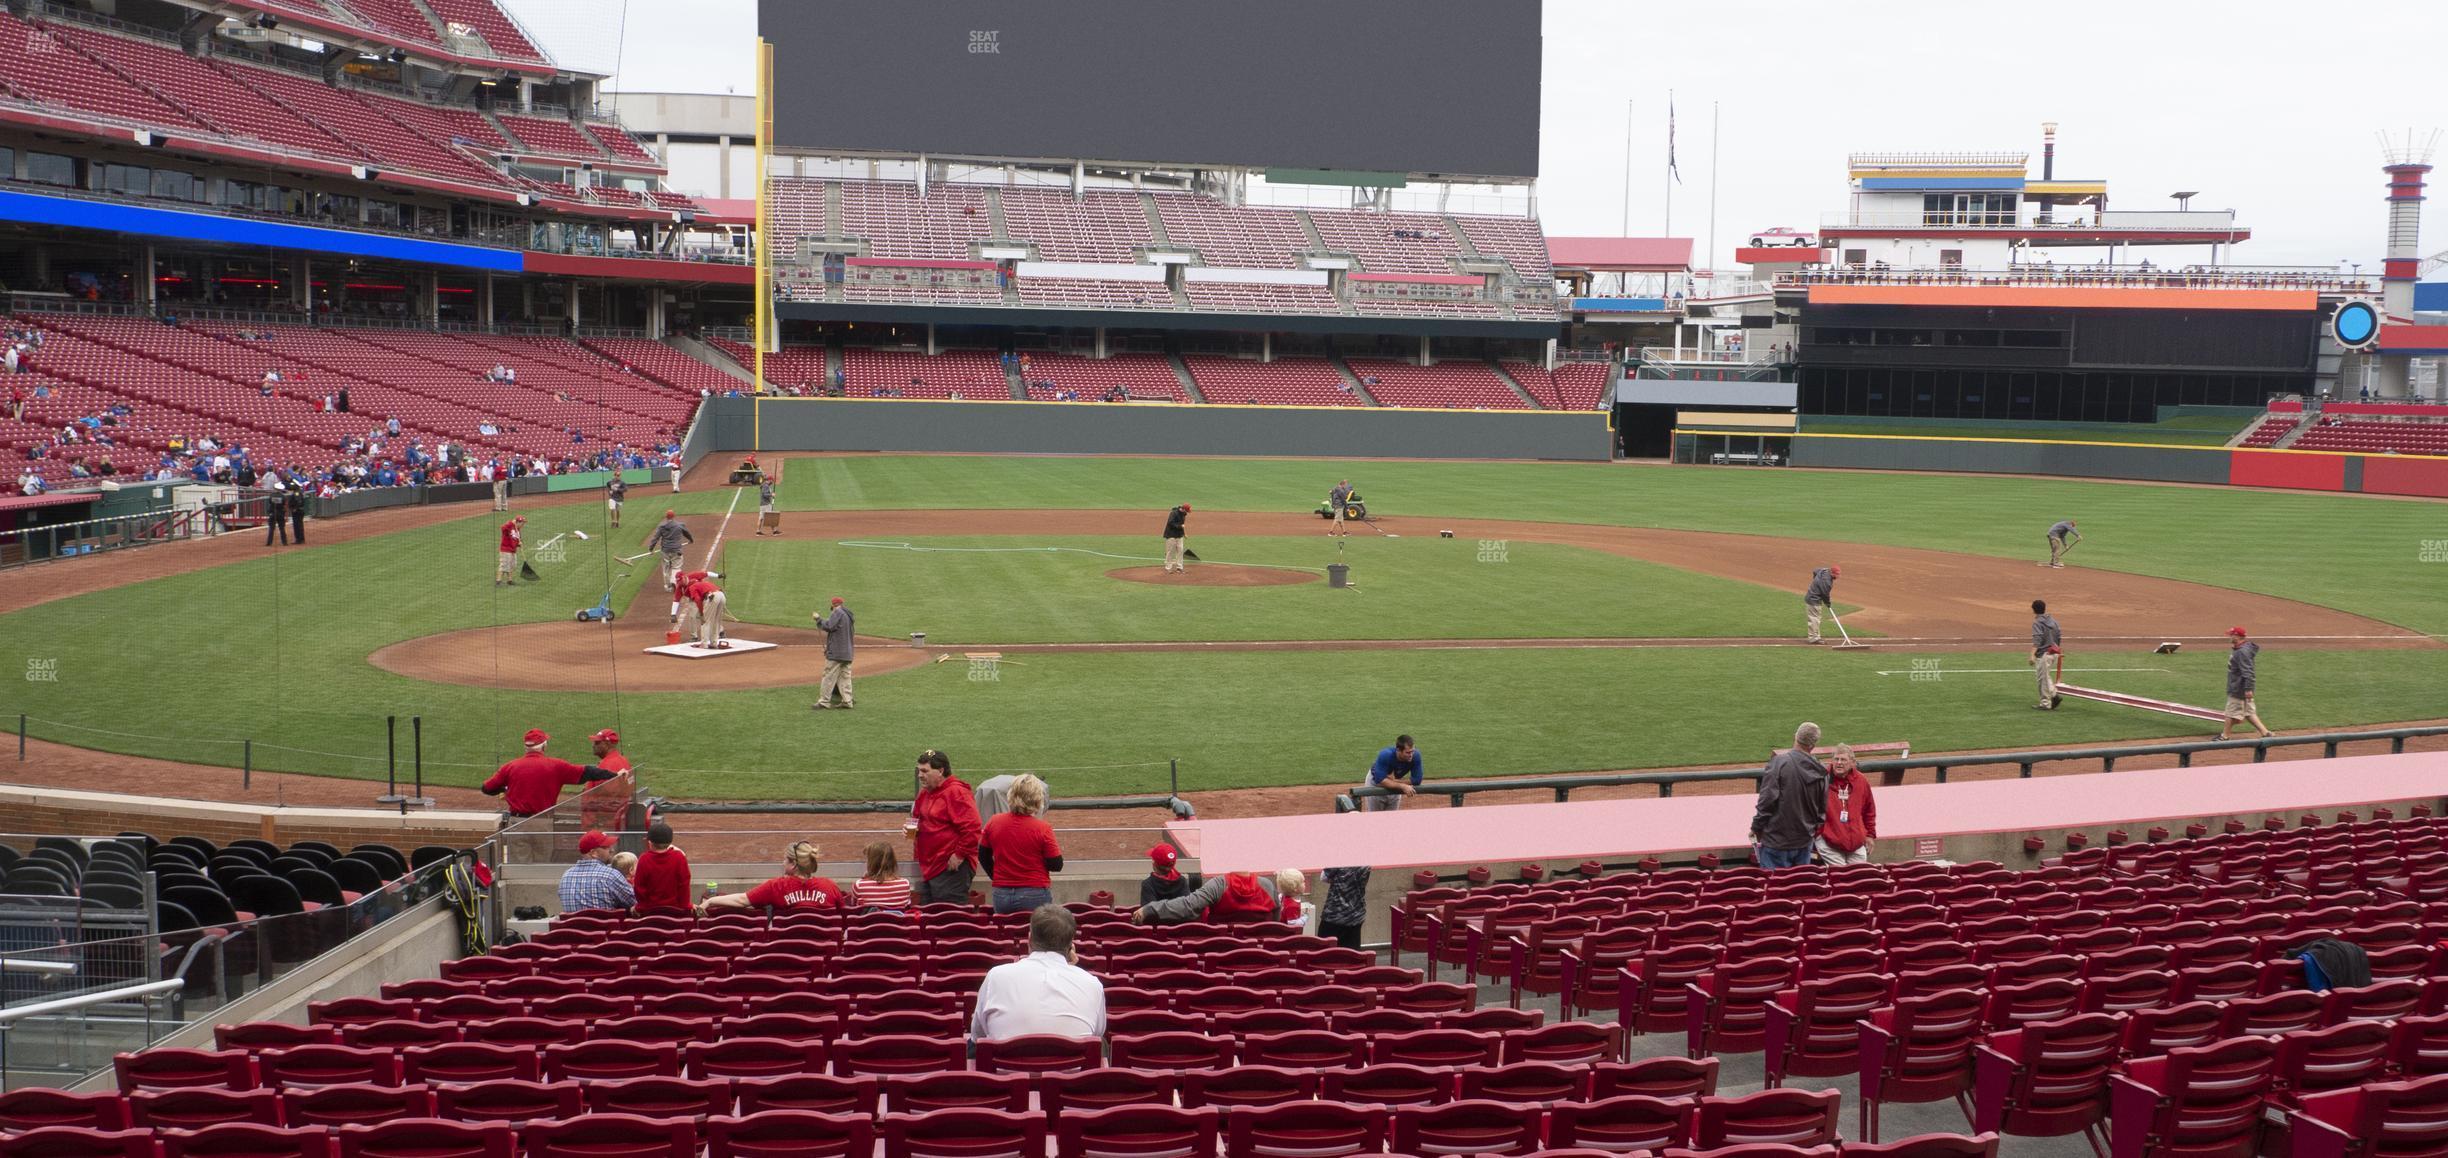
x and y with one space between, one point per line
2061 538
2242 656
769 520
672 538
1818 596
505 572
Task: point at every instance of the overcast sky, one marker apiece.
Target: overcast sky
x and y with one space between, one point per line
2263 106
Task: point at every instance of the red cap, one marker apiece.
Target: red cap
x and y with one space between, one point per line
593 840
536 737
2237 632
1834 570
608 736
1165 855
519 519
837 601
1185 508
669 513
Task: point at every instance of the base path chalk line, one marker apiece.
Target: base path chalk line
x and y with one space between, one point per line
887 545
2001 672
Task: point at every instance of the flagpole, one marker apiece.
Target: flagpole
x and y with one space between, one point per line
1627 181
1711 261
1668 231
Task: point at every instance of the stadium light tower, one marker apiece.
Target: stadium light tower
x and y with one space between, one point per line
2406 163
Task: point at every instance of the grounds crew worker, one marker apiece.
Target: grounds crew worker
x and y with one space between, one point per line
673 539
840 642
1817 597
533 782
1176 538
1339 498
614 491
606 807
506 573
768 519
706 602
2047 644
2242 654
2061 535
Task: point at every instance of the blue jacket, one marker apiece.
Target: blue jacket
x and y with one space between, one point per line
1386 766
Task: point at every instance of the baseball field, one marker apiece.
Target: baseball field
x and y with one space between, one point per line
1580 617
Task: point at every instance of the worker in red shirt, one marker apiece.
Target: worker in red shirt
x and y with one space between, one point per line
606 807
706 602
533 782
506 571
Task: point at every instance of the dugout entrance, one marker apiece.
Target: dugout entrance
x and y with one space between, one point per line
1722 438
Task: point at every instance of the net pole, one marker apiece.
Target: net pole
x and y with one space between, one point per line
765 337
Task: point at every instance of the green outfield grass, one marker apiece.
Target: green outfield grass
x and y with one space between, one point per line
2350 552
983 589
274 649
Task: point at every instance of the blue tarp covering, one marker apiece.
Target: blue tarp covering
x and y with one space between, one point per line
1620 305
149 222
2431 297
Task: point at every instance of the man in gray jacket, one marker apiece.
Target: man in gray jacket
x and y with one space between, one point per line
2242 654
1817 597
839 639
671 537
2047 642
1792 804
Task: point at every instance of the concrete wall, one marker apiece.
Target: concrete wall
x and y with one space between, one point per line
1998 456
855 424
73 813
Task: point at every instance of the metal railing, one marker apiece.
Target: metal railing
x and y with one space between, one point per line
2153 277
1456 791
59 540
1934 160
1669 355
2205 220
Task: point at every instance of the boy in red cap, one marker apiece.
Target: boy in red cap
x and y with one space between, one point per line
1165 882
593 883
1176 538
506 571
2242 654
533 782
662 879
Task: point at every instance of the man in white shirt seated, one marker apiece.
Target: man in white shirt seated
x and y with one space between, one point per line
1044 992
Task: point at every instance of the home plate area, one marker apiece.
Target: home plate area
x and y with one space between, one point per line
693 651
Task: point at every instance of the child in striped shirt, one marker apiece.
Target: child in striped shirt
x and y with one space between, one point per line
883 888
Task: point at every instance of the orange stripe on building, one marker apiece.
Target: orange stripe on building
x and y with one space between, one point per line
2065 297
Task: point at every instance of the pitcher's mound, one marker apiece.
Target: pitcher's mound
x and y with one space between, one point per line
1215 575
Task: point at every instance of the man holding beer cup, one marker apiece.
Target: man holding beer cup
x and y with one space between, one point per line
944 827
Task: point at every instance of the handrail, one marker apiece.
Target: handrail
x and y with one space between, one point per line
29 965
17 1013
1563 786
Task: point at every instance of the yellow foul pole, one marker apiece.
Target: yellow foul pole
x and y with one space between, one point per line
765 336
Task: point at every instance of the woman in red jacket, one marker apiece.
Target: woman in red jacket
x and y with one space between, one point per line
1018 851
798 890
1852 819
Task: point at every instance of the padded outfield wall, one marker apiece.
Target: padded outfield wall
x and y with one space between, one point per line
1145 428
2315 470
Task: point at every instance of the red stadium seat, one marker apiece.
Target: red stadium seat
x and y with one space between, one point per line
1246 1086
2047 1079
790 1134
610 1136
1138 1131
80 1142
355 1105
1039 1054
1918 1050
2205 1101
427 1138
202 1106
1305 1130
509 1101
36 1109
2407 1117
160 1069
1103 1089
1477 1127
247 1140
966 1133
810 1093
1387 1085
1625 1124
1777 1117
956 1090
660 1097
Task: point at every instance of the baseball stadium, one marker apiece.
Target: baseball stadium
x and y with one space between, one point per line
1246 641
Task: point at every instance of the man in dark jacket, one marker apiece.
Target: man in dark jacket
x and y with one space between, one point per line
2242 655
1792 804
840 638
2047 642
297 514
1176 538
1817 597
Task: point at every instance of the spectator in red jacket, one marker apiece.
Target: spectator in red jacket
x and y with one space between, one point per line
944 827
1852 818
662 877
1018 851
